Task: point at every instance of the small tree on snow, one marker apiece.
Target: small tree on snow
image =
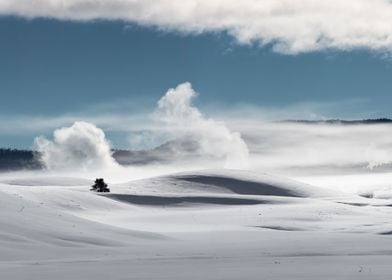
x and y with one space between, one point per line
100 186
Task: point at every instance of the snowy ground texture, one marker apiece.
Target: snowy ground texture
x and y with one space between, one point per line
217 224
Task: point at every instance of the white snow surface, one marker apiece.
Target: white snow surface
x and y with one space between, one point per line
212 224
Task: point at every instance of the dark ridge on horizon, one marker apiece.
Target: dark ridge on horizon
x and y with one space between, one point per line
339 121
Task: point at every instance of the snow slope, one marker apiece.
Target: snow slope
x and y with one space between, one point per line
213 224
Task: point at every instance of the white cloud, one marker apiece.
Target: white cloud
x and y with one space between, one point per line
291 26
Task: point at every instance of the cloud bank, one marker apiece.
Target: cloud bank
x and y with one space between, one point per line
290 26
323 147
80 146
214 139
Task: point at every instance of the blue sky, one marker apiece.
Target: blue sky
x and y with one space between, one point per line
52 68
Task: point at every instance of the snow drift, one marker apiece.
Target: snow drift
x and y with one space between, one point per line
205 224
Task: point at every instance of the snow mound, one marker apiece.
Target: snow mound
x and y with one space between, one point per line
222 182
54 219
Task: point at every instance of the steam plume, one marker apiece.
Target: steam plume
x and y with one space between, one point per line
81 146
175 109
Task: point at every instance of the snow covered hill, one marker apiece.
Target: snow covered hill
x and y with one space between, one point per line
213 224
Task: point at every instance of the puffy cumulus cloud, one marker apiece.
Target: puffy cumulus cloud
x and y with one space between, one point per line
80 146
291 26
213 138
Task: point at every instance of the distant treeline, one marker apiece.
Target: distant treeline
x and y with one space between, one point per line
13 159
347 122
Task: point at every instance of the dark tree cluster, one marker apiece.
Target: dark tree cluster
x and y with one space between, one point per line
13 159
100 186
343 122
